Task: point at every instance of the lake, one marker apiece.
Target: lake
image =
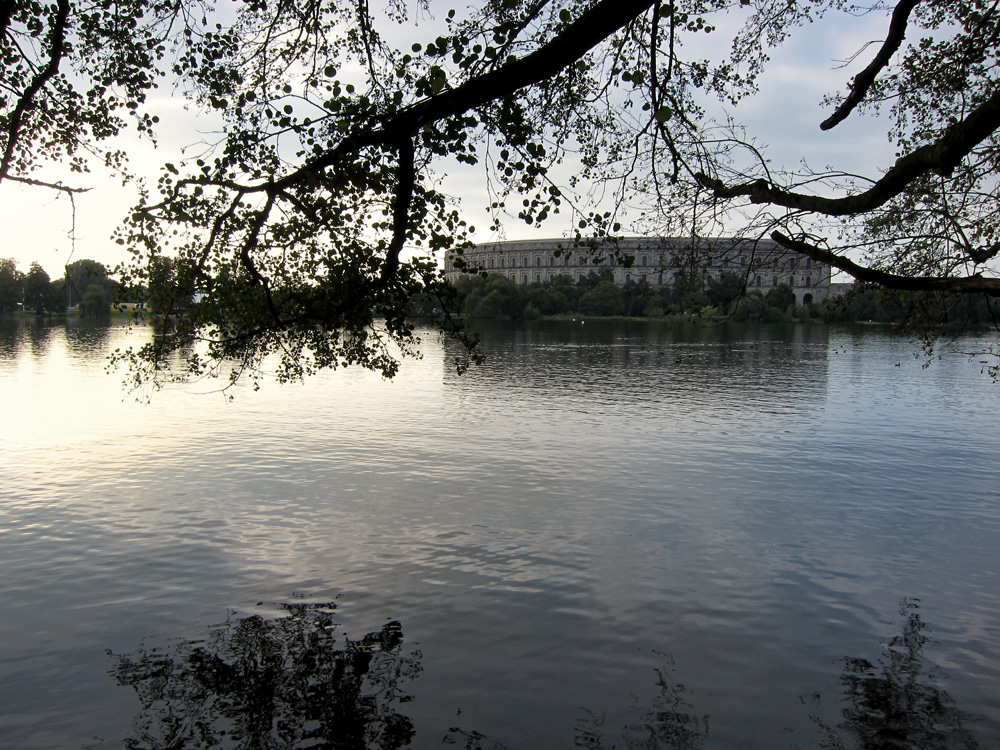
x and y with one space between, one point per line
608 535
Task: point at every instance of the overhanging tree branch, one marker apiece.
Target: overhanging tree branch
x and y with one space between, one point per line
864 80
594 26
6 14
405 179
957 284
41 78
42 183
940 157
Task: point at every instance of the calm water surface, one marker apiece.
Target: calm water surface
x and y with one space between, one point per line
607 535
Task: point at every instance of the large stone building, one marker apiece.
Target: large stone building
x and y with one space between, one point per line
763 263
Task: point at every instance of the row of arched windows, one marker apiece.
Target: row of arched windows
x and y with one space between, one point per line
501 260
806 281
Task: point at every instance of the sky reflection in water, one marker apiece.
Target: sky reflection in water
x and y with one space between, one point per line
593 504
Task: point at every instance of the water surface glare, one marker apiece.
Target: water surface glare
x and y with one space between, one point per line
607 534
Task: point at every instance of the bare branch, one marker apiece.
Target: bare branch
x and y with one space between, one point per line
940 157
864 80
400 209
958 284
51 185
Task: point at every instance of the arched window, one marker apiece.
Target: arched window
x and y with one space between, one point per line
525 278
524 262
538 277
791 281
513 262
552 260
791 263
491 262
501 261
743 261
565 260
808 262
774 281
645 261
808 281
628 278
756 280
538 261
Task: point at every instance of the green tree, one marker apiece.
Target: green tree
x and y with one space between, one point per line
11 285
294 224
500 298
96 303
546 300
726 289
749 308
604 299
564 288
636 296
80 275
37 292
686 284
594 279
780 297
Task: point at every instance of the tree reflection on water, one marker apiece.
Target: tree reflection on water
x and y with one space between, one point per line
278 683
669 723
289 682
896 703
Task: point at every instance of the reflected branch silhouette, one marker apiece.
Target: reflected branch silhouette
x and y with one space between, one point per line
896 704
257 684
290 682
669 724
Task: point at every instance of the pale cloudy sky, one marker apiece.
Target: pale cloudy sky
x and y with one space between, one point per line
36 224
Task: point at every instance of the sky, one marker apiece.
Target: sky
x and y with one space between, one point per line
38 224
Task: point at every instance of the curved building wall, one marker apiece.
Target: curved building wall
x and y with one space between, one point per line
763 263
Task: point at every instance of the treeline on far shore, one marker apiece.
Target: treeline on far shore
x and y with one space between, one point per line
88 289
691 297
85 287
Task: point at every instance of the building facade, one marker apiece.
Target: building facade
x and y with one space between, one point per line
764 264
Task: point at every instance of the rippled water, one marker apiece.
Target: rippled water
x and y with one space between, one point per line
605 534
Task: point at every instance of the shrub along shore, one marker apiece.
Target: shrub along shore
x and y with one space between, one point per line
494 296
